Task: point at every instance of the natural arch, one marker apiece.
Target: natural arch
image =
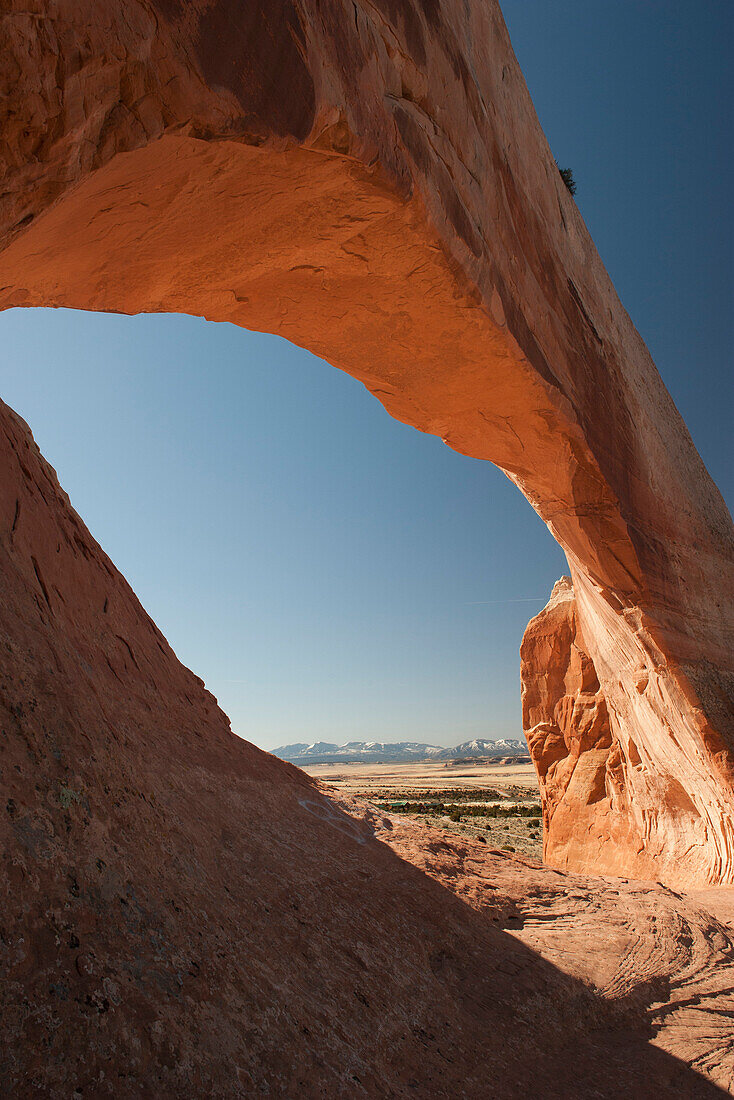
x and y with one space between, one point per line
349 176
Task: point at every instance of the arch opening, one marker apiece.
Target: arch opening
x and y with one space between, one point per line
331 575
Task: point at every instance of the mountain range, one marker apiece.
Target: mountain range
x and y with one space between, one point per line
380 752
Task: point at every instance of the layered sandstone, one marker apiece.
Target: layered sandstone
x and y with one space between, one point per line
606 807
370 180
567 727
600 801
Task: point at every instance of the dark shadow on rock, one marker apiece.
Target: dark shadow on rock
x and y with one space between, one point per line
220 928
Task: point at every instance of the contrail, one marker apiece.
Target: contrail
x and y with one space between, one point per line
522 599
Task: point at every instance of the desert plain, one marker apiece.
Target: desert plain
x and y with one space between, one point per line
371 780
450 796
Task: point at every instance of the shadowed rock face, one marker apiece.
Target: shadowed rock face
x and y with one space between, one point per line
370 181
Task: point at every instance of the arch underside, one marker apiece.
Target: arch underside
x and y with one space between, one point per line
404 220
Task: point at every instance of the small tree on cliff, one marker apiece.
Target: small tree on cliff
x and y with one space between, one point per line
567 177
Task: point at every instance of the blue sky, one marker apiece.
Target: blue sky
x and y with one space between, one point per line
333 574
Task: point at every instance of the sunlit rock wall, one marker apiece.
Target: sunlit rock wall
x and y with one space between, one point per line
612 802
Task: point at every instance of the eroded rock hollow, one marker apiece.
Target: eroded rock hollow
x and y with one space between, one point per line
368 179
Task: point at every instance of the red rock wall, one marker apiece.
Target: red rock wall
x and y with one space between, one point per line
606 807
159 157
566 724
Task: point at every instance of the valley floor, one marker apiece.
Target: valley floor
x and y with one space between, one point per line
493 803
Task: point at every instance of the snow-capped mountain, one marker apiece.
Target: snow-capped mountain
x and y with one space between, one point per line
380 752
481 747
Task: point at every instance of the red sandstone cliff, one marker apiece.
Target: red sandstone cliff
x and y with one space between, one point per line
606 807
590 802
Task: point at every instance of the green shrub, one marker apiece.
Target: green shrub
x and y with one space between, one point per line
567 177
67 796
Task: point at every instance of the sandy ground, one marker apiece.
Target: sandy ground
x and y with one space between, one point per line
364 779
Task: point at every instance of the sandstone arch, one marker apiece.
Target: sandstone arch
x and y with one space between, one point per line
369 179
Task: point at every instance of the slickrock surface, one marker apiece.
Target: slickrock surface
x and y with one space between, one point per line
368 178
664 960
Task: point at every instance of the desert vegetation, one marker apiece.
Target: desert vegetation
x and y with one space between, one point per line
509 825
567 177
